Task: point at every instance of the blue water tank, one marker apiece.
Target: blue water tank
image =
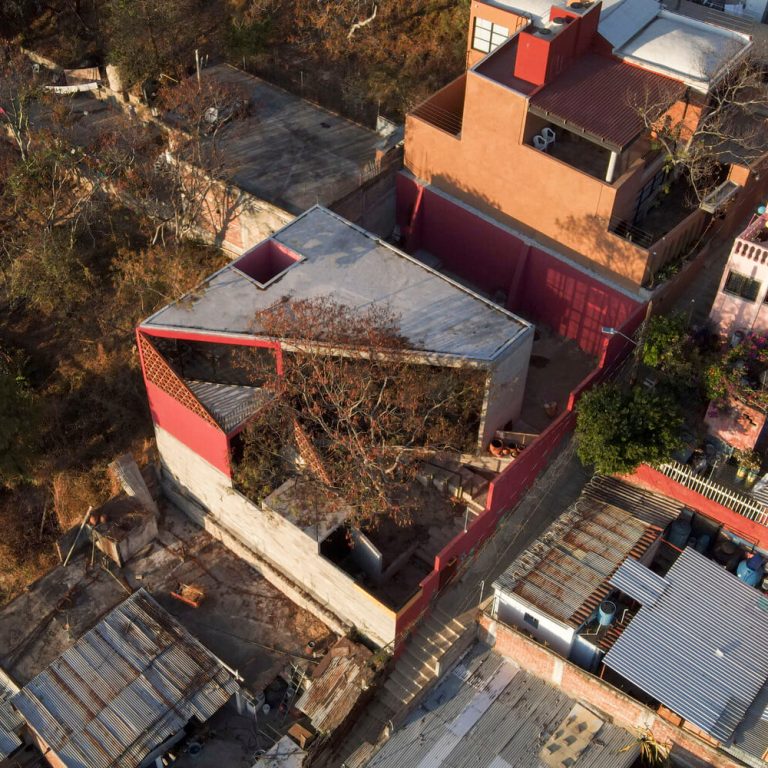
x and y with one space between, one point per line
606 613
750 570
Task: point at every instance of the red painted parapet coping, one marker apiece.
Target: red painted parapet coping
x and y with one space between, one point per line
651 479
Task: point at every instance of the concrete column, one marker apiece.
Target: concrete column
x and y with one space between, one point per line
611 167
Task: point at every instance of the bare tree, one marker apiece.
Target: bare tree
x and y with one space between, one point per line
19 89
727 125
359 406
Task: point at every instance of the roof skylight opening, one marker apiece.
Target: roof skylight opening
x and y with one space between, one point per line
267 262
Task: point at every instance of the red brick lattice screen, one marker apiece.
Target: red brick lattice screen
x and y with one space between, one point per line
309 454
161 375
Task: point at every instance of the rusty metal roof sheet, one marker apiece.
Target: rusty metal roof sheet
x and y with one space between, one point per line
598 96
566 572
134 680
10 721
336 685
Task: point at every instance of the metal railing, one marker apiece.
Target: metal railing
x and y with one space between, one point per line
741 503
450 122
630 232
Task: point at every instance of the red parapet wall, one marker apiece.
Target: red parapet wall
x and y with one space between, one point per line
207 441
569 301
532 282
652 479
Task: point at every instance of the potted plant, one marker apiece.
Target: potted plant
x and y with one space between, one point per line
748 465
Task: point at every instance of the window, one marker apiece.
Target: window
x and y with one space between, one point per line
488 36
742 286
532 620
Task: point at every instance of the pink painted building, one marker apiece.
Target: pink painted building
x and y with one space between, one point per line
741 303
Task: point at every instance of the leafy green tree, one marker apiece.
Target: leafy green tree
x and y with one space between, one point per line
664 340
617 430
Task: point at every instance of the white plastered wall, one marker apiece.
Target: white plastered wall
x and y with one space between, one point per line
278 541
506 386
555 634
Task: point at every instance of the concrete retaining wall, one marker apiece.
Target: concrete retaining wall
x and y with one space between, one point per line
288 548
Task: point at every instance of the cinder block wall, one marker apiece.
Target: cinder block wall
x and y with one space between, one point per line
278 541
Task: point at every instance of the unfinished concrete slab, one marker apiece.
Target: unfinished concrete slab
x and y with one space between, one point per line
290 151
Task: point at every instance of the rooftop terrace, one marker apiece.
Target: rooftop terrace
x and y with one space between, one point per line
324 255
643 34
289 151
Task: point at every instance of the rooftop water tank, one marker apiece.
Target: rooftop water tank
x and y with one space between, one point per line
606 613
679 532
750 570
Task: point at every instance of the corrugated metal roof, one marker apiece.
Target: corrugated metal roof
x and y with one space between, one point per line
599 96
229 404
10 722
489 713
336 685
701 649
639 582
752 734
640 503
124 687
565 572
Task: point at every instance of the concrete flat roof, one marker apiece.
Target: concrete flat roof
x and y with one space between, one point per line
644 34
290 151
685 49
339 260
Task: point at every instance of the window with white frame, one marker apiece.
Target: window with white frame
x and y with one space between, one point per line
488 36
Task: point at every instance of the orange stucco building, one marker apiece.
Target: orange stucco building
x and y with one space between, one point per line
544 132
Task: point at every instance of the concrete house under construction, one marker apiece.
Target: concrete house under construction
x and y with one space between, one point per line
200 403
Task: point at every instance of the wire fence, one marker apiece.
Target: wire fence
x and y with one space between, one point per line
346 96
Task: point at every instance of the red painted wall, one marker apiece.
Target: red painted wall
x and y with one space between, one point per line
537 285
540 287
749 530
205 440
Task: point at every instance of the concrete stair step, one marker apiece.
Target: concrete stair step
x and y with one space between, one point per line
438 632
401 685
393 701
431 647
416 668
421 659
410 680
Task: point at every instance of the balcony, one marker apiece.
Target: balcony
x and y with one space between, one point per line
445 109
669 227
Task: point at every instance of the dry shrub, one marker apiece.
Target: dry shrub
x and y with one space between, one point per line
74 492
26 546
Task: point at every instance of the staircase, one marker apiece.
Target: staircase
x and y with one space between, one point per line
434 647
